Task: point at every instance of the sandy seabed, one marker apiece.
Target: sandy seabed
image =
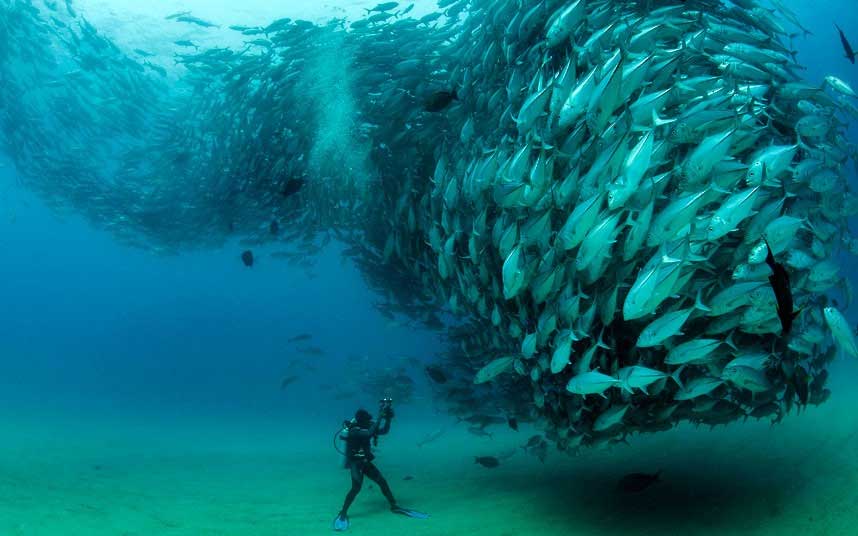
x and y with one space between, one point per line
82 475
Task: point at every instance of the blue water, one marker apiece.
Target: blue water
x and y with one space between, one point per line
97 324
90 324
93 330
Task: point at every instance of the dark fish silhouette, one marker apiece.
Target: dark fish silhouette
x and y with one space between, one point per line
177 15
847 48
540 451
533 441
483 420
247 258
801 381
440 100
196 20
293 186
408 477
431 437
487 461
637 482
274 227
479 432
386 6
287 381
301 337
436 373
513 423
780 284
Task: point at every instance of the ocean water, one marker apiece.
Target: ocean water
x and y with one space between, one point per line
143 393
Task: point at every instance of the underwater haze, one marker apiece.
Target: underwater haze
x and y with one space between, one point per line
600 255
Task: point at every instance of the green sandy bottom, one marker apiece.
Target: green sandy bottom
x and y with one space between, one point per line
70 476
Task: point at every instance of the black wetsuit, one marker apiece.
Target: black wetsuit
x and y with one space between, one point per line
359 460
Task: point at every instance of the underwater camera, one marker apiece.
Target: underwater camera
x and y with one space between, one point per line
386 408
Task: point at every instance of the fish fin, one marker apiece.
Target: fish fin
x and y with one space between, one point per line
600 343
658 121
675 377
581 294
729 341
716 188
770 257
698 302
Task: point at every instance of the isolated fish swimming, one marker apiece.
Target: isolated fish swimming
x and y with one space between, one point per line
783 292
847 48
293 186
637 482
288 381
439 100
436 373
487 461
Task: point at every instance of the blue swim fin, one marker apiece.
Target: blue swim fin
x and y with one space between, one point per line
341 523
409 513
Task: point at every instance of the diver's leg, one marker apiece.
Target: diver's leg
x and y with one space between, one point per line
357 481
374 474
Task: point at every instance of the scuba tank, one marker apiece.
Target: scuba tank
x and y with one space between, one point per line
343 434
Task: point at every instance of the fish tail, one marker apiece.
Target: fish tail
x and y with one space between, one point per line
698 302
729 341
600 342
770 257
676 377
658 121
794 55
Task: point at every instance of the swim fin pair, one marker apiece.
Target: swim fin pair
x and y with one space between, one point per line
409 513
341 523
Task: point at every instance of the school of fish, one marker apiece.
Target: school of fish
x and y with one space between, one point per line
591 187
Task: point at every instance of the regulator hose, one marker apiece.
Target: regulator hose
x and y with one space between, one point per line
336 436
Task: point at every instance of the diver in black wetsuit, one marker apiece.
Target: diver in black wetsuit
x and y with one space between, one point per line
359 434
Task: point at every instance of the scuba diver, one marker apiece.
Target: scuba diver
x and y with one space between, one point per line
358 435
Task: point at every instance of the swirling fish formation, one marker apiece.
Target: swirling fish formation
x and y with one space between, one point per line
592 187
